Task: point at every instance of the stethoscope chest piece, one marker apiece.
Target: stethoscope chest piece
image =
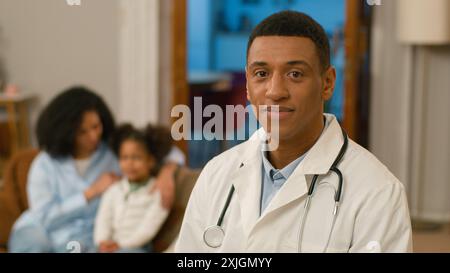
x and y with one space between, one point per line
213 236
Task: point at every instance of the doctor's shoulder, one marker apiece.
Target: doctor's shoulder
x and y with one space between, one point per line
366 172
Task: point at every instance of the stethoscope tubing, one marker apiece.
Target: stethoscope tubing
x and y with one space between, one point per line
337 199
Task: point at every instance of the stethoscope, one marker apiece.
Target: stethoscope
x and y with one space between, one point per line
213 236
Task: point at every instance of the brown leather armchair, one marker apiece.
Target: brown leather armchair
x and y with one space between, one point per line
13 199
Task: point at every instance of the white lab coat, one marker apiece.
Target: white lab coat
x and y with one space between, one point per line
373 214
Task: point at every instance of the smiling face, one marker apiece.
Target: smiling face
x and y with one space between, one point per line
286 72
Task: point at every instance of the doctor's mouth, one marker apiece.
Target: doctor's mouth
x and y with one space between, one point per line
278 112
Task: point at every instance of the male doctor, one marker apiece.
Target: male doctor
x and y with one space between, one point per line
251 200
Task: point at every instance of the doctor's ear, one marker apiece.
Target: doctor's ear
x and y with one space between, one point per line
246 92
329 81
246 84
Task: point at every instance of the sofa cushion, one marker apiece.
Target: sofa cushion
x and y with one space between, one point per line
184 183
13 194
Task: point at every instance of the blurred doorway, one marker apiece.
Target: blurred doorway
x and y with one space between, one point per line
213 34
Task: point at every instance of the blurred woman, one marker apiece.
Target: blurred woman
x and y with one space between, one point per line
73 169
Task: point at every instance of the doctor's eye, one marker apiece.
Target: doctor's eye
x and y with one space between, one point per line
261 74
295 74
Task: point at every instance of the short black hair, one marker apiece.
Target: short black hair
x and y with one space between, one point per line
294 24
156 140
59 121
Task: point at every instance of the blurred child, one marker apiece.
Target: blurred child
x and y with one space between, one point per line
130 216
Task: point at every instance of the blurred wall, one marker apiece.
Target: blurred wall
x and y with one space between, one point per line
119 48
165 62
429 148
410 132
139 70
391 70
49 46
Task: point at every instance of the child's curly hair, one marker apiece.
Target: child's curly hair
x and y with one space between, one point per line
156 139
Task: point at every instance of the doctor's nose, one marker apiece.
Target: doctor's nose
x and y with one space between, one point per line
276 89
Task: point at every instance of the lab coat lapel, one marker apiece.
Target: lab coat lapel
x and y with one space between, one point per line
321 156
294 188
247 183
318 160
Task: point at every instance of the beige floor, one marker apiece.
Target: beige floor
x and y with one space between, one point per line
437 240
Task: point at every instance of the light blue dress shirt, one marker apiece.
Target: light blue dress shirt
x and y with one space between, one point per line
274 179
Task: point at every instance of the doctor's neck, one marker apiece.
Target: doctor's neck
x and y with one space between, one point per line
296 145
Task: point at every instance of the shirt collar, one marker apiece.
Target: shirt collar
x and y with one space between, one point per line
129 187
285 172
289 169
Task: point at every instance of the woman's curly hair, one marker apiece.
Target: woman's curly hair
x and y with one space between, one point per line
59 121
